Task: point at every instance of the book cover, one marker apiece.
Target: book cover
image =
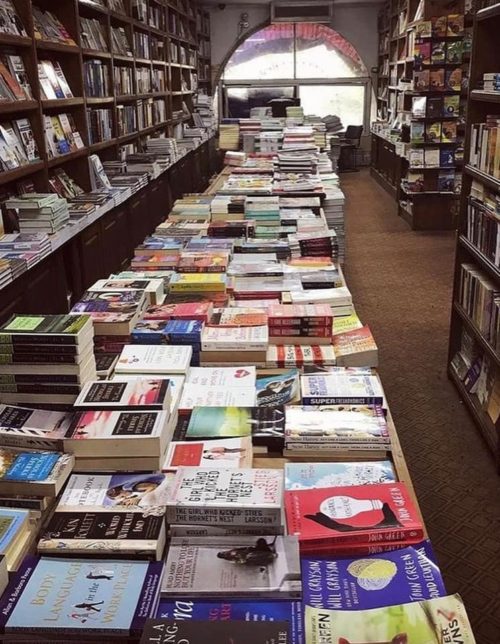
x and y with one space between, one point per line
417 132
454 52
356 348
433 132
235 338
23 427
149 332
432 157
222 376
196 395
353 514
345 583
233 566
439 27
422 53
308 476
228 452
278 389
12 522
237 610
70 596
340 388
434 107
449 131
438 54
33 472
455 25
436 79
451 106
454 79
421 80
247 632
418 106
151 359
141 394
215 496
57 329
432 621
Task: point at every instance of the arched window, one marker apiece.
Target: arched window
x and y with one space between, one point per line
306 60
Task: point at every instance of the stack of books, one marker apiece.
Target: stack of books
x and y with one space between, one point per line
229 136
294 324
40 213
46 358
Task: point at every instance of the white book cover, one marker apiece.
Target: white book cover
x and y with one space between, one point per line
223 452
176 385
242 496
243 338
222 376
216 396
149 358
339 388
336 296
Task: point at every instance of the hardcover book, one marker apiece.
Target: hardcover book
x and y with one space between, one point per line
61 597
432 621
144 394
217 496
408 574
234 567
237 611
157 631
308 476
331 517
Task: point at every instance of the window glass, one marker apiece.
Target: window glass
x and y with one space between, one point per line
344 101
241 99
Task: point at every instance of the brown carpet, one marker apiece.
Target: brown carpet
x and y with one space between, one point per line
401 283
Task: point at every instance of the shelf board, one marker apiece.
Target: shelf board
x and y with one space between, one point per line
487 179
67 157
62 102
424 193
476 332
487 97
96 53
116 15
486 426
17 106
23 171
93 7
417 168
122 58
163 63
480 257
48 45
143 61
95 147
488 12
18 41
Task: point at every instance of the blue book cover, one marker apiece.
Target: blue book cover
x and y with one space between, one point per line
278 390
74 596
306 476
27 466
248 611
186 328
11 521
373 581
149 332
447 157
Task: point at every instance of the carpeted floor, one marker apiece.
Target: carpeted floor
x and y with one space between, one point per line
401 283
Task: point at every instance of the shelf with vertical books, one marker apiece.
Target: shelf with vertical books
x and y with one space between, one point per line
474 354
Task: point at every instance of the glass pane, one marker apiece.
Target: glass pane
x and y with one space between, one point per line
241 99
268 53
324 53
344 101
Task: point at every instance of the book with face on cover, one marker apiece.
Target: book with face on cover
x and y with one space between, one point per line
373 581
99 434
242 566
247 632
330 518
60 597
226 452
33 428
121 513
219 496
145 394
307 476
432 621
154 359
33 472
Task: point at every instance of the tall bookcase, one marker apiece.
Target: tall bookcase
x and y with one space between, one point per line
383 62
474 354
173 31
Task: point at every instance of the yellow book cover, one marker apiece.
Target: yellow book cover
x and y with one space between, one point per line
198 282
346 323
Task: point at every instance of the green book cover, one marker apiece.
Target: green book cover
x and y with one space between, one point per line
434 621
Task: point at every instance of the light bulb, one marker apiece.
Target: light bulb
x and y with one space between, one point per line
345 507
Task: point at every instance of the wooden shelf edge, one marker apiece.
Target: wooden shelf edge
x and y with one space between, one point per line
17 173
17 106
487 97
458 308
485 263
76 154
485 178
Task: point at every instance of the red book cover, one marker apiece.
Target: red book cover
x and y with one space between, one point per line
187 454
192 311
159 312
355 514
298 331
212 263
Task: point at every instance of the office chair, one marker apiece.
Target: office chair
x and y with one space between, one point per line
349 144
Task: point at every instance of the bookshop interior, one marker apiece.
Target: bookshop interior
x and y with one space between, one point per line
219 220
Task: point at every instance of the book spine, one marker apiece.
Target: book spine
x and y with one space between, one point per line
301 321
232 516
342 400
38 388
35 358
19 378
362 537
216 531
234 346
340 445
13 339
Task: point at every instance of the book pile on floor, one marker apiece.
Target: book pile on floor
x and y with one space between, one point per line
235 473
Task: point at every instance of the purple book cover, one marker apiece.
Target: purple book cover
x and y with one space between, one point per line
373 581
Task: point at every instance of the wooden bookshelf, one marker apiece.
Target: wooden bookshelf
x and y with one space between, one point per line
485 58
92 248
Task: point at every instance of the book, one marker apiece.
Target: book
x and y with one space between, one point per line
98 434
278 389
236 610
218 496
355 348
33 428
228 452
47 329
154 359
248 632
233 567
144 394
60 597
454 79
307 476
436 79
198 395
410 574
14 534
431 621
33 472
341 388
433 132
332 517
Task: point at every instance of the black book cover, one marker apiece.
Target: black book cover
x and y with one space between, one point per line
37 358
169 631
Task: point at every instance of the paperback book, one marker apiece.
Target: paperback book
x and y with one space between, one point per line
228 452
309 476
248 632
